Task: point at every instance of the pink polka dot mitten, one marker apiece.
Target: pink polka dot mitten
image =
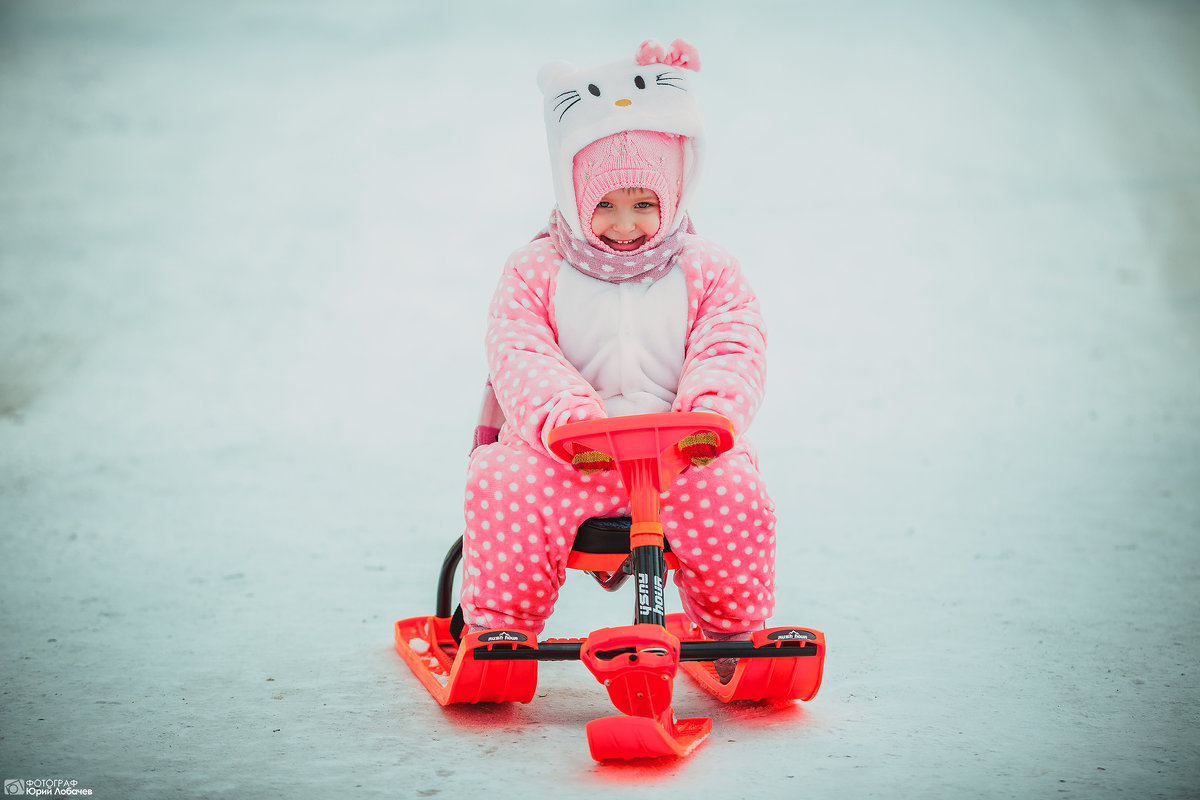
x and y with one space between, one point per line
701 448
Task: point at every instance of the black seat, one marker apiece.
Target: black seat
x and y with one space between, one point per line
605 536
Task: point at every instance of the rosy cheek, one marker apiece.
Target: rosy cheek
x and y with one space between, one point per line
600 223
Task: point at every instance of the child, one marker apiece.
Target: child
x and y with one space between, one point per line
619 308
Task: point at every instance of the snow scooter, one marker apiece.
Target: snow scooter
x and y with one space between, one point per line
635 663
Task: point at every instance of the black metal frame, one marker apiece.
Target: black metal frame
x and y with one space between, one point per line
597 536
610 535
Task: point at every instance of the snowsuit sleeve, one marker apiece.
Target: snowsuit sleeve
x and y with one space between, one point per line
724 368
537 387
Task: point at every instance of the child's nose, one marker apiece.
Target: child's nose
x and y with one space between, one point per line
625 222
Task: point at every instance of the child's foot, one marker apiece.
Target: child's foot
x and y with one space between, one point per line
725 667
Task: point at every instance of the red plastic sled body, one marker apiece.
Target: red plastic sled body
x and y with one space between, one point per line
635 663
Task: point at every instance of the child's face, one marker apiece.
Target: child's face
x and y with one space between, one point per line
625 218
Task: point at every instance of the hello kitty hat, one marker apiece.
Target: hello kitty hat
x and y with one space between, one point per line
654 91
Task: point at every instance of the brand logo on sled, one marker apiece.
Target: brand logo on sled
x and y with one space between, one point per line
794 633
503 636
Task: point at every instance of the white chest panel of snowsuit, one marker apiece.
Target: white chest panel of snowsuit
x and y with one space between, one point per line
626 339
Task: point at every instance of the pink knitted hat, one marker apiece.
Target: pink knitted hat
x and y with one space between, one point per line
628 160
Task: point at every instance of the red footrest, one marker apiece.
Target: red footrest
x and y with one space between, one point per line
452 674
786 677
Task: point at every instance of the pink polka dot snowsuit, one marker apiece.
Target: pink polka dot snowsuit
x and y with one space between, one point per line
523 505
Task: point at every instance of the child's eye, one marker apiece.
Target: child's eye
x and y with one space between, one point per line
639 82
644 204
594 89
604 204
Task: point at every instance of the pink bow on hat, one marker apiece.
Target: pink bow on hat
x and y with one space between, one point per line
681 54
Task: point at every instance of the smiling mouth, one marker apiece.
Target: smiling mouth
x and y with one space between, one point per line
624 246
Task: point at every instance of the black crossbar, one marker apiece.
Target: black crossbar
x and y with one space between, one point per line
688 651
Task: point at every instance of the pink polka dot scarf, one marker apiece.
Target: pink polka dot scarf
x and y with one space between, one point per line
645 266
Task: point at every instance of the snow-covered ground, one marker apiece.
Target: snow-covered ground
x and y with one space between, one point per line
245 254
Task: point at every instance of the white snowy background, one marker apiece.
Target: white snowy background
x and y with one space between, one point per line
246 249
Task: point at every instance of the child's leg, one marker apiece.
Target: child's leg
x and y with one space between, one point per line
721 525
522 511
